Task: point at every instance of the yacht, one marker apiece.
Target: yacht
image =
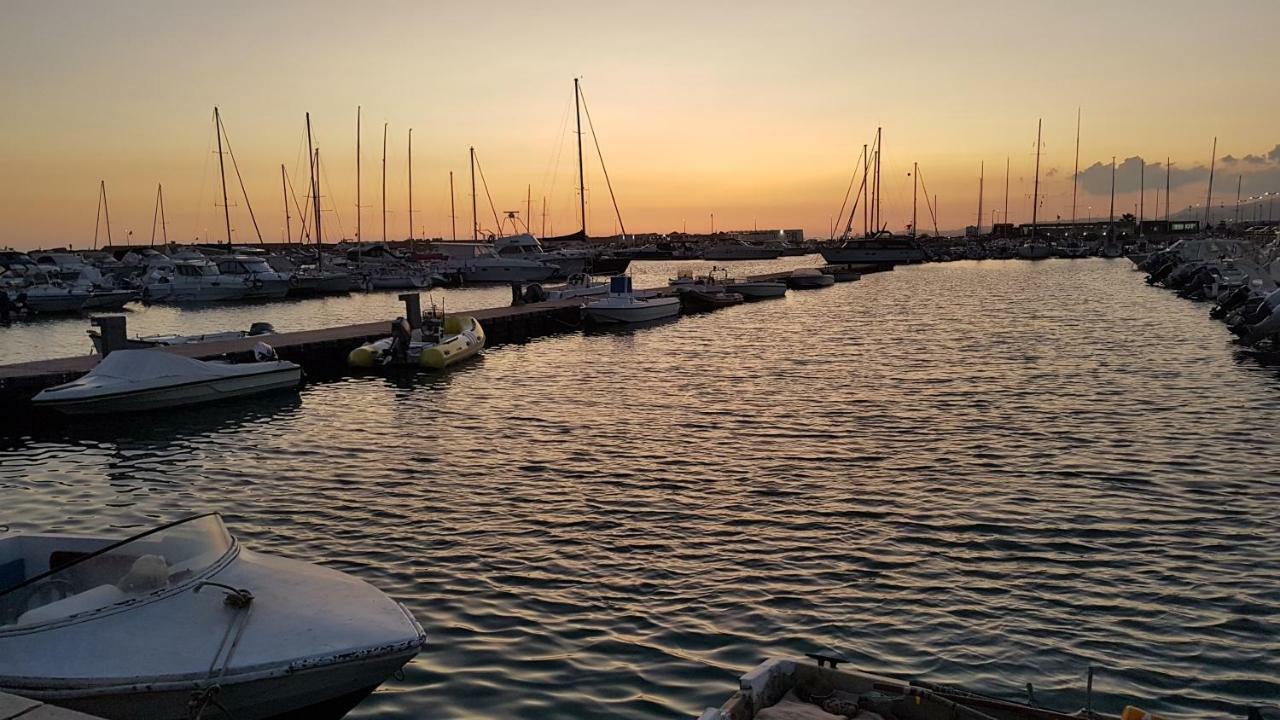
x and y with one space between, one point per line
181 621
579 285
808 278
526 246
489 267
191 281
623 305
1035 250
739 250
757 289
263 281
880 249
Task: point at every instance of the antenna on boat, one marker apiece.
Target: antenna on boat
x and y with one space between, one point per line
1208 198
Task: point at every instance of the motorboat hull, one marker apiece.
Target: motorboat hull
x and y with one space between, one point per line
811 282
506 273
172 293
192 393
635 312
872 255
758 290
706 300
110 300
50 303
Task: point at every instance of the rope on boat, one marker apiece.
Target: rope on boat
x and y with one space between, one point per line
240 600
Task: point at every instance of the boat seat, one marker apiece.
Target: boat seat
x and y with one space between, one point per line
98 597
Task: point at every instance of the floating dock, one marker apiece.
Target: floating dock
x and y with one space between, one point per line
326 348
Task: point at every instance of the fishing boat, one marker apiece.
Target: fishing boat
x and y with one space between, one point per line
183 622
757 289
435 344
793 688
137 380
624 305
143 342
809 278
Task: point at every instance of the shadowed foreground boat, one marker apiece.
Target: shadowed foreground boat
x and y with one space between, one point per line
181 622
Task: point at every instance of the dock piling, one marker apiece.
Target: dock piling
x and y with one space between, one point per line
114 334
413 309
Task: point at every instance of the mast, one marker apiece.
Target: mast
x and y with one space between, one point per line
1142 192
1035 197
313 157
475 222
581 176
1208 198
155 215
384 182
544 216
222 170
1239 182
284 188
1006 189
453 213
1075 176
106 210
1167 202
1111 217
879 221
915 192
164 226
866 191
982 174
528 206
410 184
359 207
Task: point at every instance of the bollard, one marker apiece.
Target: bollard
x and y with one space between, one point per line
114 335
517 294
413 309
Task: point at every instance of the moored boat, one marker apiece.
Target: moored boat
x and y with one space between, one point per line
808 278
624 305
757 289
180 621
881 249
137 380
143 342
436 344
707 299
578 285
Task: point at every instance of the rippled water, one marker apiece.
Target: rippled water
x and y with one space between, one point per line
983 473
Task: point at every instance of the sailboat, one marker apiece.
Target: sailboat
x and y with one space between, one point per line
1034 248
877 247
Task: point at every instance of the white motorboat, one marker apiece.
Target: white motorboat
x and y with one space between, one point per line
50 296
391 277
809 278
143 342
579 285
881 249
135 380
623 305
262 281
757 289
192 281
490 268
1035 250
182 622
739 250
526 246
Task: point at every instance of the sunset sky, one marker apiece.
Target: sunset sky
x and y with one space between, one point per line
753 111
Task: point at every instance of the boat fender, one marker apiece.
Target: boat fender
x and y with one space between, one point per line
263 352
534 293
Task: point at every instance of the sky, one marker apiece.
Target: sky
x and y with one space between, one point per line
754 112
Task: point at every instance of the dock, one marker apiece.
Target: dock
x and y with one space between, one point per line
325 349
14 707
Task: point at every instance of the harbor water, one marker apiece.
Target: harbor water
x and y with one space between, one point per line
985 473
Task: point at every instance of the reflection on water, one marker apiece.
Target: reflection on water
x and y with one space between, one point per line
982 473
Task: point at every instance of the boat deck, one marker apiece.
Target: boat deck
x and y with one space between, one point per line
13 707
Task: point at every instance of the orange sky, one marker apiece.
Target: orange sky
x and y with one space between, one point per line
753 111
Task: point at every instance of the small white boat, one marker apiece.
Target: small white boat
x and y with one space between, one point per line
809 278
623 305
142 342
182 622
579 285
437 344
757 289
739 250
192 281
136 380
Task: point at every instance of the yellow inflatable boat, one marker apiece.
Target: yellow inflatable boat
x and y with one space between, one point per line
436 345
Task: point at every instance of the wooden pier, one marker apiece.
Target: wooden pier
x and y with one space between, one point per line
324 349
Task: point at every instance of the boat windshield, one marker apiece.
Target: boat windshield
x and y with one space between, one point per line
65 576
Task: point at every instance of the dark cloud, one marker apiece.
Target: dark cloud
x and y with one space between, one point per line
1274 155
1053 172
1228 160
1096 179
1254 159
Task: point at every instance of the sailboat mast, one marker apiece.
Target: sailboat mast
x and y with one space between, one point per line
528 206
284 188
222 170
879 220
1111 217
1239 182
319 235
1035 197
164 225
155 215
1167 201
1006 189
410 184
313 161
1142 192
866 191
475 223
453 213
915 192
582 183
106 211
359 207
384 182
1208 198
1075 174
982 174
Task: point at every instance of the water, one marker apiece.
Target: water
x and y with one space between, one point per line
983 473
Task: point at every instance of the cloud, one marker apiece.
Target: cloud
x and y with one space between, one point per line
1274 155
1053 172
1260 173
1228 160
1254 159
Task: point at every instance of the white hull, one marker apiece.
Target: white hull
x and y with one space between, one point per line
506 273
809 283
758 290
110 300
170 293
57 303
634 312
178 395
872 256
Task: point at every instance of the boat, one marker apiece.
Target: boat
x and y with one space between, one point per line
809 278
49 297
623 305
757 289
262 281
843 273
794 688
192 281
137 380
526 246
739 250
579 285
1035 250
181 621
143 342
436 344
879 249
707 299
488 267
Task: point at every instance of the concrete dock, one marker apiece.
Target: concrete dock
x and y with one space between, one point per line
13 707
325 348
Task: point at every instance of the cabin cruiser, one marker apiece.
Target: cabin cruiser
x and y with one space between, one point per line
181 621
794 688
879 249
526 246
263 282
739 250
808 278
192 281
436 343
309 280
138 380
489 267
624 305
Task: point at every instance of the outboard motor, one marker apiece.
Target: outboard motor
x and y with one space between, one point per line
534 293
401 335
1231 301
263 352
261 328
